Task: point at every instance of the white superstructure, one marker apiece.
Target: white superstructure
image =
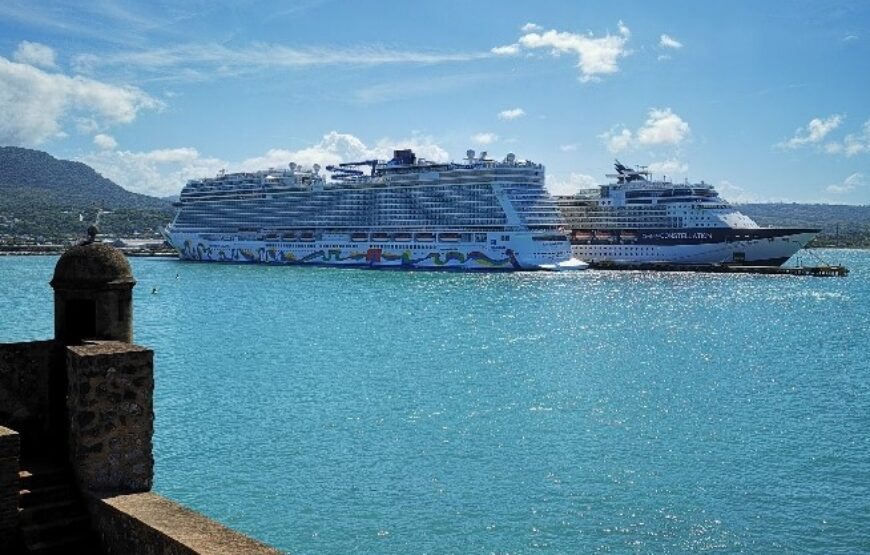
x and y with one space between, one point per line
640 220
405 213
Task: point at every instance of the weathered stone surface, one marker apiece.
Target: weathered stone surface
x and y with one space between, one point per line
94 264
147 524
24 385
111 420
9 453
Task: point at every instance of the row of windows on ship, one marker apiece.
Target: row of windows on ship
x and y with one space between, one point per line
363 220
365 237
374 187
376 204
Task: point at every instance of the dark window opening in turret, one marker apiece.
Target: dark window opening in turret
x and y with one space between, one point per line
81 319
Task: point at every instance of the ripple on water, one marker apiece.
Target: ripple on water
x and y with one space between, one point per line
343 410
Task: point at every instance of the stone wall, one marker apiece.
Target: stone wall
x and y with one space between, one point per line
148 524
111 414
9 453
24 386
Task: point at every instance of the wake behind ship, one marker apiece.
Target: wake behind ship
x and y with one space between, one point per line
404 213
638 220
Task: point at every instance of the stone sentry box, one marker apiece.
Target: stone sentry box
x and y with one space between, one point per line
109 381
93 295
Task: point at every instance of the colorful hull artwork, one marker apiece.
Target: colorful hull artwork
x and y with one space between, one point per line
446 256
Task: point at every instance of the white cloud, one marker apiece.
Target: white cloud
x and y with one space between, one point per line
617 141
817 129
735 193
35 54
105 141
570 147
669 42
194 61
419 86
662 127
337 147
513 113
663 57
484 138
569 185
849 184
506 50
34 103
159 173
850 38
164 172
669 167
531 28
596 56
853 143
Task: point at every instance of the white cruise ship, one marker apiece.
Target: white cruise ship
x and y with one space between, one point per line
404 213
637 220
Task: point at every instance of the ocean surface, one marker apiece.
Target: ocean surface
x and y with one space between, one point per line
336 411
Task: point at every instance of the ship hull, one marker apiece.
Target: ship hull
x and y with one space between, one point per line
762 246
520 252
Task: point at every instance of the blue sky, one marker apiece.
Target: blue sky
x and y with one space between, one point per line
766 100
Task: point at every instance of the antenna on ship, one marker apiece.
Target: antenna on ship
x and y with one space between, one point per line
624 174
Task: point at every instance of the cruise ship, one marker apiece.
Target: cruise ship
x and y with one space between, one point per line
479 214
638 220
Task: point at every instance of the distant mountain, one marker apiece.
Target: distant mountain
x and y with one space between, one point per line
841 224
63 182
43 196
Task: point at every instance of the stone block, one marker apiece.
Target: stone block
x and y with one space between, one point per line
24 385
9 454
148 524
110 389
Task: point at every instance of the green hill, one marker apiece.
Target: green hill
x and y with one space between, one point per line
41 196
842 225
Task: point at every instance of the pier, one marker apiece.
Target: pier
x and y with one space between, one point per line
824 270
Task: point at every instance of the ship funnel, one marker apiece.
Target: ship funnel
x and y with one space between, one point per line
316 168
470 155
510 158
482 156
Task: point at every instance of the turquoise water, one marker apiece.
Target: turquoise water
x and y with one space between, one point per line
334 410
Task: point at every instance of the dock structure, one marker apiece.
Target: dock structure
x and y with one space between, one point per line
816 271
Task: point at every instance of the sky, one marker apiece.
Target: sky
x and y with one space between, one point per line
768 101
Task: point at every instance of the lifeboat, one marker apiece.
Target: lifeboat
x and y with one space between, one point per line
449 237
380 236
306 237
582 235
424 237
628 236
359 237
403 237
288 236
